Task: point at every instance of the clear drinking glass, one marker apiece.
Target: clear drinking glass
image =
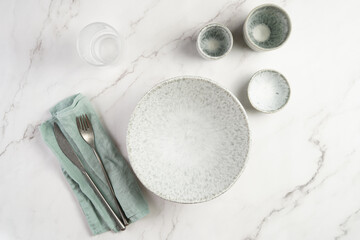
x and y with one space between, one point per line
99 44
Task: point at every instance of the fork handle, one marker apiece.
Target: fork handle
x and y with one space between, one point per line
105 203
119 208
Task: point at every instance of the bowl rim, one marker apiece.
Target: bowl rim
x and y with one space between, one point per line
248 137
201 32
252 81
246 33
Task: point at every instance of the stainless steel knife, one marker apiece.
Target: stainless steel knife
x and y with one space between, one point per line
67 149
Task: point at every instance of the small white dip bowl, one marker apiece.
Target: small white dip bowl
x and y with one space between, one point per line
268 91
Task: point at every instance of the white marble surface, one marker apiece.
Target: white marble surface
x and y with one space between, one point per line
302 180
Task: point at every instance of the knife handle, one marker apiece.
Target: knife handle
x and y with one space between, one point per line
106 204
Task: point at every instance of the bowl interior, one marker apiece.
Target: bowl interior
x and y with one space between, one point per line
268 27
215 41
188 140
268 91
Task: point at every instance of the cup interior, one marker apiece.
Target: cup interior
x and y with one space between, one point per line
215 41
268 27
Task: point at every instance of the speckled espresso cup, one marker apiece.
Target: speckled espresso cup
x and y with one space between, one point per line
214 41
267 27
268 91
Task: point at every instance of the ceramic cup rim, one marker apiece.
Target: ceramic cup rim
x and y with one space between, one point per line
252 81
205 28
246 33
249 139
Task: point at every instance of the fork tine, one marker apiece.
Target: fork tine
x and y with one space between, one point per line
78 123
88 121
85 122
82 123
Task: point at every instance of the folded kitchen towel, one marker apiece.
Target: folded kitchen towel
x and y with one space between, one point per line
121 176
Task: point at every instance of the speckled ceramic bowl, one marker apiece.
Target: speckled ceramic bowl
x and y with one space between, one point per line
268 91
266 28
214 41
188 140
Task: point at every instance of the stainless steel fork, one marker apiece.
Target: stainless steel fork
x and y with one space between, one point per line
87 133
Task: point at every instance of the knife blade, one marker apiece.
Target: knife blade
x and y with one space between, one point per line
69 152
66 148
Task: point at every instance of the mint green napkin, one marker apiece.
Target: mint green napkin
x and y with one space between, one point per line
122 178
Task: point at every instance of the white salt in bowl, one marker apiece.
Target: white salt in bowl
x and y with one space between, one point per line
268 91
